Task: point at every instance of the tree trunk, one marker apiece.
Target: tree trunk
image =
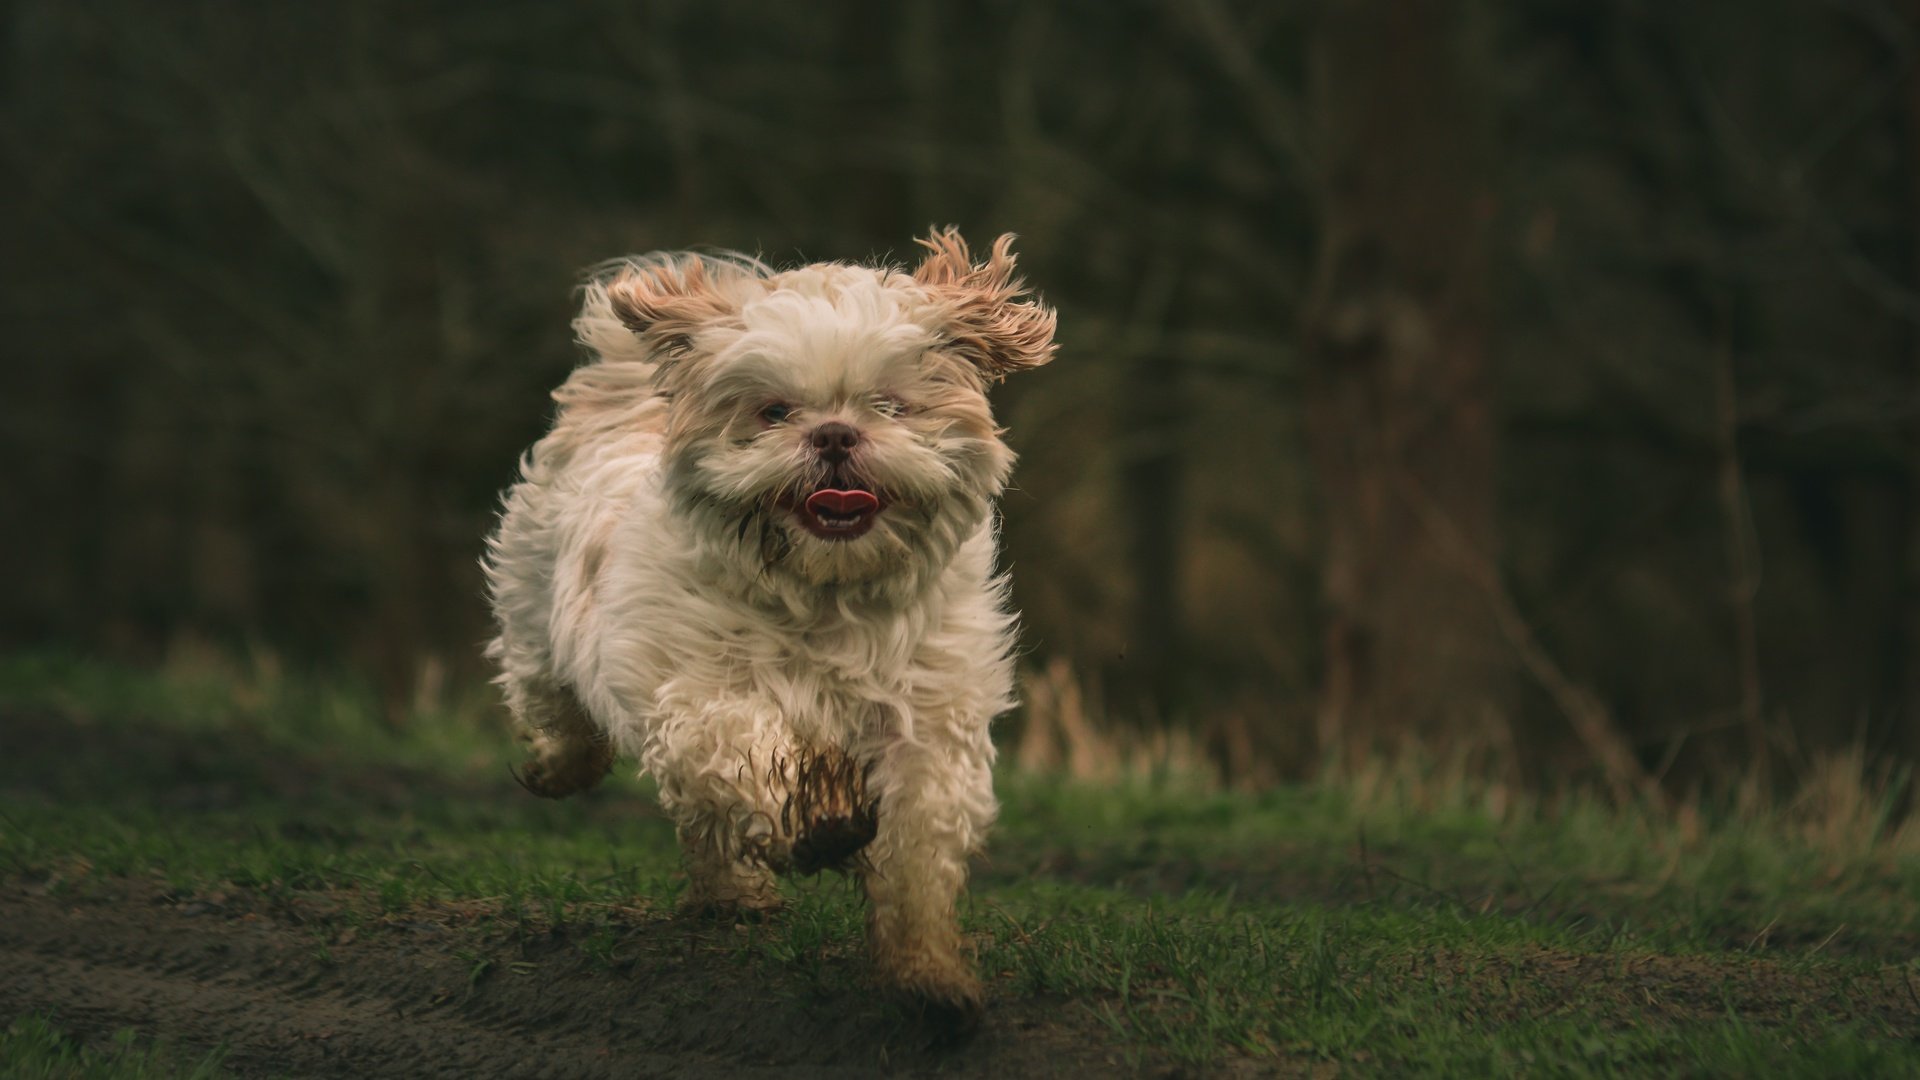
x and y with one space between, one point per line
1400 420
1152 483
1906 710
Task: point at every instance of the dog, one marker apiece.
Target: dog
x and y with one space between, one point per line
756 553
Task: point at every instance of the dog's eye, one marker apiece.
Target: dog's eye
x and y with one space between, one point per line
776 412
888 405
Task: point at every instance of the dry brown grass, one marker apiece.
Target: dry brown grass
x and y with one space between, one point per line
1066 733
1843 801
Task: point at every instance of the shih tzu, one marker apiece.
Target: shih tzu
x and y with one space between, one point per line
756 553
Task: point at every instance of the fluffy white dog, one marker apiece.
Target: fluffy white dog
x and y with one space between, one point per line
756 553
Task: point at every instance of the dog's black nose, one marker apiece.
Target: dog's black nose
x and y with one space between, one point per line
835 441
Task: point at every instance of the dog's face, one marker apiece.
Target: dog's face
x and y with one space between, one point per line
829 425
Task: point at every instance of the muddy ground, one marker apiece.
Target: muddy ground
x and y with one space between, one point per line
433 996
290 985
305 983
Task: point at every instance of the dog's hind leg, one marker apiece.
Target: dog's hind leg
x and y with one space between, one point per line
569 751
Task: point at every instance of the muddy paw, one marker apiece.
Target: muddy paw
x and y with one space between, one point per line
538 779
729 909
556 777
720 883
952 1007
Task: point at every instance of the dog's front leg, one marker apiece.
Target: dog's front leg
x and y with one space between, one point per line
719 881
718 767
936 802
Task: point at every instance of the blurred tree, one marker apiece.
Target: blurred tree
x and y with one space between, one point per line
286 285
1903 695
1398 396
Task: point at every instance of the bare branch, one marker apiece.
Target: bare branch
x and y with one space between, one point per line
1584 712
1269 106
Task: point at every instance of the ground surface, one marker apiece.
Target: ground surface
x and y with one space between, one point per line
426 997
262 882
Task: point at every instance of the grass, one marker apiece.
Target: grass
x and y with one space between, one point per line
33 1048
1385 925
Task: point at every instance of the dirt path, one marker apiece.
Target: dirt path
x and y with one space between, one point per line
430 998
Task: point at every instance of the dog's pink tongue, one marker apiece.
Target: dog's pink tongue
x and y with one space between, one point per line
843 503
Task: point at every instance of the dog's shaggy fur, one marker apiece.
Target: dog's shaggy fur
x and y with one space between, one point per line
756 553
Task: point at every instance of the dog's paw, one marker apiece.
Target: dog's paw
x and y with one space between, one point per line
949 1000
751 907
953 1010
538 778
555 776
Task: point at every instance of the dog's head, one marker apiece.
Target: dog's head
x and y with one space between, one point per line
829 425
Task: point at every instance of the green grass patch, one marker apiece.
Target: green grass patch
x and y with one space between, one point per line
33 1048
1378 929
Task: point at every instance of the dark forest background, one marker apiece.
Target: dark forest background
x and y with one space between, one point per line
1540 378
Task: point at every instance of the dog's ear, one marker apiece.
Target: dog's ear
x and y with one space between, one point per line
664 302
991 322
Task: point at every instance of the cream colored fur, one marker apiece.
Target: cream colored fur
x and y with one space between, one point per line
658 597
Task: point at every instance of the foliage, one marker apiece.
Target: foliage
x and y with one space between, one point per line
289 290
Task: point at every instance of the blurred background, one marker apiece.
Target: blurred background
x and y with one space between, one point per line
1533 384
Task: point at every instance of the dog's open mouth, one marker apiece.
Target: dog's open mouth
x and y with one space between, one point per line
836 513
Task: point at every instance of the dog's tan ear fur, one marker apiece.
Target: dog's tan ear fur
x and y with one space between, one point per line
991 323
665 302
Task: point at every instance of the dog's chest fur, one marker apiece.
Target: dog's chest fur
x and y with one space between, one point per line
664 630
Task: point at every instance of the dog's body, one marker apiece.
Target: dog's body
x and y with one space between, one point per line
757 550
